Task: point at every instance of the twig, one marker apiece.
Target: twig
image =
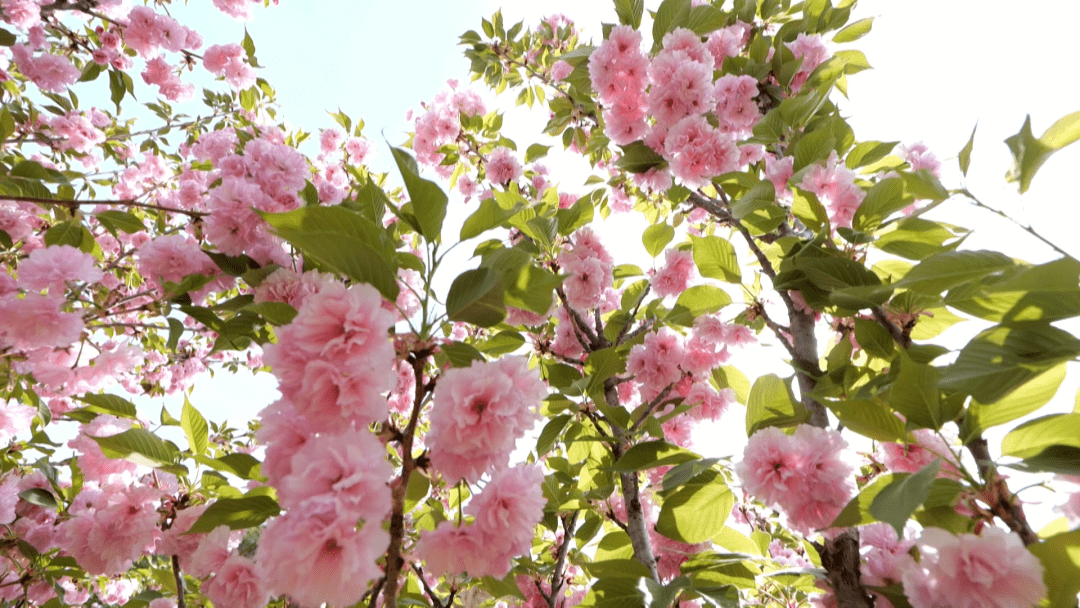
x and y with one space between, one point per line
1002 502
179 579
111 203
1028 229
569 522
897 333
655 403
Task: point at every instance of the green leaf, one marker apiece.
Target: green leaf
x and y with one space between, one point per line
109 404
915 238
696 301
705 19
195 428
614 592
884 199
1033 437
275 313
809 210
5 240
670 15
696 512
236 513
476 296
870 419
684 472
6 37
461 354
601 365
550 433
1023 400
120 220
854 31
40 497
771 404
629 12
1004 357
873 338
579 214
65 233
715 258
490 214
31 169
943 271
427 198
1060 555
656 237
857 511
418 488
869 152
638 158
652 454
139 446
1047 292
915 393
244 466
1029 153
965 152
342 240
906 493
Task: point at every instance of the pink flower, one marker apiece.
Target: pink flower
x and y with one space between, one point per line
314 556
502 167
52 267
992 570
478 414
50 72
339 322
449 550
813 52
237 9
912 457
834 185
237 584
36 321
675 276
560 70
655 362
350 468
227 60
212 551
698 152
15 419
111 527
172 257
508 509
805 475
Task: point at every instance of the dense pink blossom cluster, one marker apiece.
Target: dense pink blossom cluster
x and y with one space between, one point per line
504 515
619 72
991 570
806 475
675 275
502 168
440 125
912 457
333 364
53 73
834 185
478 413
591 269
811 49
228 61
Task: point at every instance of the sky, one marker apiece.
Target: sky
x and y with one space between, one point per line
940 67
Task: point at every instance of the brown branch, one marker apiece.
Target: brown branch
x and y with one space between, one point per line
569 523
427 588
1002 501
397 514
179 579
631 493
110 203
653 405
897 333
633 313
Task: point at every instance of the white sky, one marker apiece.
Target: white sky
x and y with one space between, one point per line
940 66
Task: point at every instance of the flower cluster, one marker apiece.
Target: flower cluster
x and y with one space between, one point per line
805 475
333 364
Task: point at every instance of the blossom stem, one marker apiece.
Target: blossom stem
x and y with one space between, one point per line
179 578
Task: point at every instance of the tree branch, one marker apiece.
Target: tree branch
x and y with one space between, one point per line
111 203
1002 501
181 602
569 523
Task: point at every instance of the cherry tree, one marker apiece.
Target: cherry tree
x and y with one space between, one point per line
524 436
